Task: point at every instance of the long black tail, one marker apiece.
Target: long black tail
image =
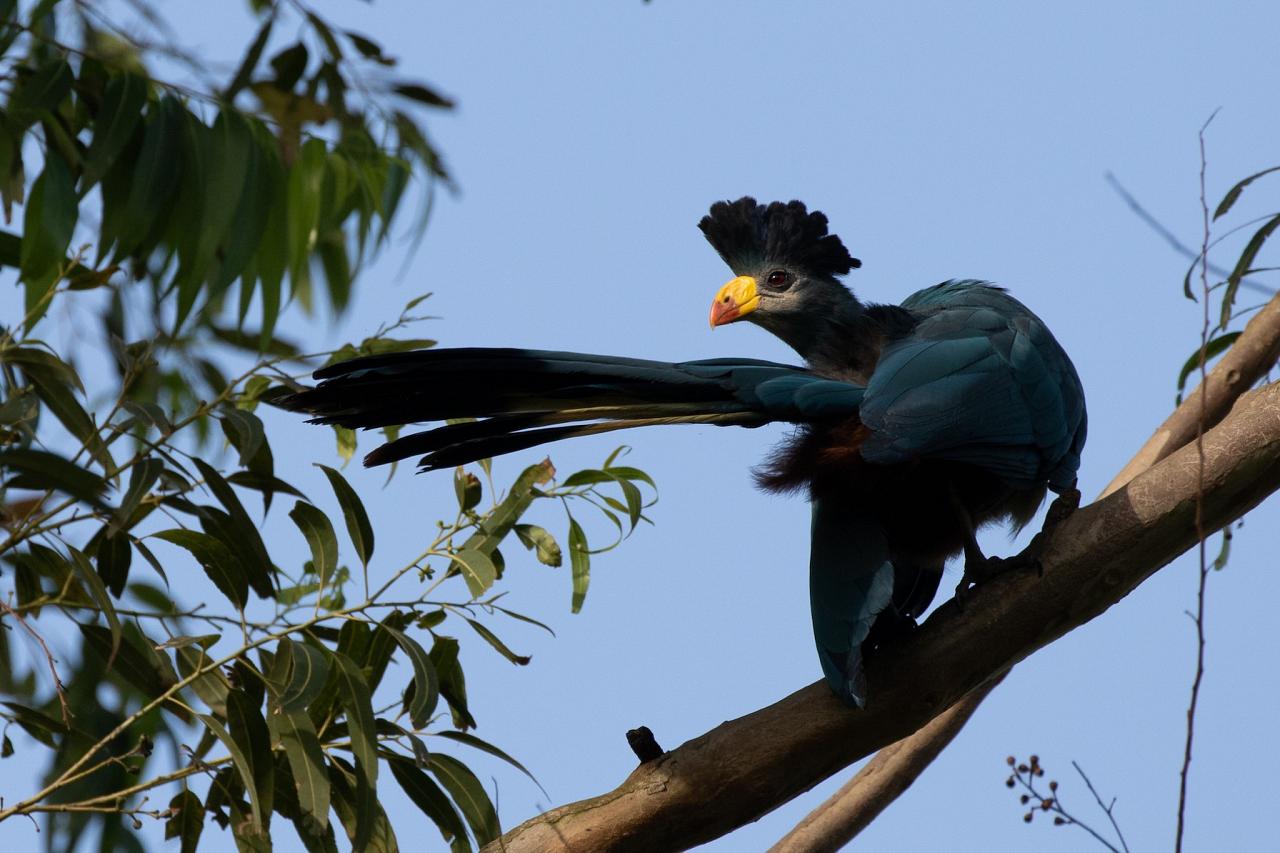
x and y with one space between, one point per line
525 398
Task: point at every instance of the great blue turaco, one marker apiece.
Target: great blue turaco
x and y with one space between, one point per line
916 423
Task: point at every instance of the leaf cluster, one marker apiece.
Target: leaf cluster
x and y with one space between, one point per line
154 609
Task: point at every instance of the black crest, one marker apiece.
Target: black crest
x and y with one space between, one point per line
746 232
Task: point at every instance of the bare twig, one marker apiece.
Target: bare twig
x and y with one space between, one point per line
1108 808
1025 775
48 656
1172 239
1200 528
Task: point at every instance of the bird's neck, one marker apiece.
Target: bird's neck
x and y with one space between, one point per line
843 342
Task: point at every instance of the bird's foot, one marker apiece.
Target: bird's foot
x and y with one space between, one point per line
979 568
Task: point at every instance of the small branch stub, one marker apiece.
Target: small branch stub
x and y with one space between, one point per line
643 745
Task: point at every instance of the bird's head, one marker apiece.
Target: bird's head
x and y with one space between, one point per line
784 261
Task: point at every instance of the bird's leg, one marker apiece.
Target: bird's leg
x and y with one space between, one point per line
974 559
1029 557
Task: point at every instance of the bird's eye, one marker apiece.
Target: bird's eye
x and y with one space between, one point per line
779 280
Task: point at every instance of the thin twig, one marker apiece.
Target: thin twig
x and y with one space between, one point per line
53 667
1200 530
1108 808
1172 239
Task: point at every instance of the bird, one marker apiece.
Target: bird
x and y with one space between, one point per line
914 424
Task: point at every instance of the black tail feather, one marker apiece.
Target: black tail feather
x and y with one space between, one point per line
525 398
472 449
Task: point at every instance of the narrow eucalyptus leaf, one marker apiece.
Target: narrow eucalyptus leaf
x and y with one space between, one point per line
353 512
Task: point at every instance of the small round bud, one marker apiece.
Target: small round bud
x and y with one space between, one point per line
1022 768
1045 805
1053 786
1058 821
1024 799
1035 759
1010 761
1008 783
1026 818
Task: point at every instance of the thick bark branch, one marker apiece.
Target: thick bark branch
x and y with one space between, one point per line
746 767
896 766
881 780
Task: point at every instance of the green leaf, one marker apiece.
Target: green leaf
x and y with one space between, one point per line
297 734
453 684
40 726
249 730
156 179
477 570
40 469
114 556
84 570
353 512
38 94
244 431
245 235
317 529
470 796
56 383
242 764
186 820
216 559
141 667
118 118
289 65
305 182
580 563
1233 194
47 226
1212 348
497 523
369 48
211 685
427 796
353 693
423 95
1242 267
426 684
346 443
484 746
308 672
501 647
251 57
141 479
359 813
231 147
537 538
247 542
204 641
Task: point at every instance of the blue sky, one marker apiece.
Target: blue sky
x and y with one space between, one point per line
943 140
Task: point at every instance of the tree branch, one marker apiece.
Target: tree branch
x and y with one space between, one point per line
746 767
881 781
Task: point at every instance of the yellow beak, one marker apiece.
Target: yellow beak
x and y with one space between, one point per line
735 300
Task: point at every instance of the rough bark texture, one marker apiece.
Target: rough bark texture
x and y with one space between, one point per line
881 780
746 767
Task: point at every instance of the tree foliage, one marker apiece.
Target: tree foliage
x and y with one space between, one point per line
186 222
